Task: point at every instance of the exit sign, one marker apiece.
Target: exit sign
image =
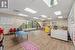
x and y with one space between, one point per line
3 3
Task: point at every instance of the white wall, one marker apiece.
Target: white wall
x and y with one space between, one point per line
8 21
60 23
71 23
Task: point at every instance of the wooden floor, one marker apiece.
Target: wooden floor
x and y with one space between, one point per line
42 40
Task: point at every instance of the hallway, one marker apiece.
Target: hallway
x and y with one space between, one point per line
42 40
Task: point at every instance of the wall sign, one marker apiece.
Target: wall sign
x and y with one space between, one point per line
3 3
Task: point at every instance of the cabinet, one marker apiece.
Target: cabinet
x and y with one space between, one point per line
59 34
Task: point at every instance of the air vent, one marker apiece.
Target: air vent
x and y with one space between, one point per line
16 10
51 3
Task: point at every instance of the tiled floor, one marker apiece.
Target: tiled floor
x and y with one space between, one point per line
42 40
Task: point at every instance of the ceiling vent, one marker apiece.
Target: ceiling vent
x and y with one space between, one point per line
51 3
16 10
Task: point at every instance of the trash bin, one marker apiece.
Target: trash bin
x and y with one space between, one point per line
22 36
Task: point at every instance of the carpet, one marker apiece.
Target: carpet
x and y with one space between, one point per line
29 46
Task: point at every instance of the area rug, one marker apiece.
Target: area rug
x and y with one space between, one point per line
28 45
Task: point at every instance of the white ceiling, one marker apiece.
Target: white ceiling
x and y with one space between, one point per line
42 9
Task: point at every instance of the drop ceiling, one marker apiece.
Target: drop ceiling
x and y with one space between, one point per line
18 6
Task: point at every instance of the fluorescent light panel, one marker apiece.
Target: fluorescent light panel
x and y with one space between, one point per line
60 16
22 14
30 10
35 18
57 13
44 16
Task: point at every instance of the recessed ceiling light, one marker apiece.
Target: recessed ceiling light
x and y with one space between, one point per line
22 14
57 13
60 16
44 16
35 18
30 10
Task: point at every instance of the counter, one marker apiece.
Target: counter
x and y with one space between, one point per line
59 34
